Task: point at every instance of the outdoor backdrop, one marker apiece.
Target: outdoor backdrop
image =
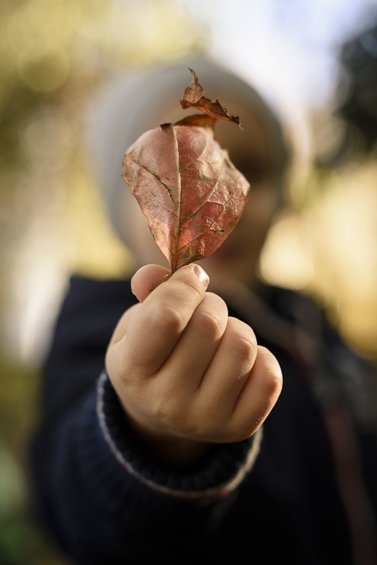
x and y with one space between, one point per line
316 64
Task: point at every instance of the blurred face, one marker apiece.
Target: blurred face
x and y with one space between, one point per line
237 259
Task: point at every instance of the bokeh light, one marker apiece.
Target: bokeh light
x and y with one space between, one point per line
54 55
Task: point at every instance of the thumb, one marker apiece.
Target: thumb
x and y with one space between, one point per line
147 279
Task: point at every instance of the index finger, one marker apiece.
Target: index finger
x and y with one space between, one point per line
162 318
146 279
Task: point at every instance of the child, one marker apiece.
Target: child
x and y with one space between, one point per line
166 435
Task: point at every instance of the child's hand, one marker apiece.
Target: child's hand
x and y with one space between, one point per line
185 372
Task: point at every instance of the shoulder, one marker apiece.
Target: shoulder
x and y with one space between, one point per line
97 296
306 313
290 304
82 290
348 370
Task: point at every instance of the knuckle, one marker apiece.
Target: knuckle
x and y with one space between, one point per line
211 316
194 288
190 426
160 404
244 348
208 324
160 411
272 372
244 343
162 317
168 413
216 304
185 288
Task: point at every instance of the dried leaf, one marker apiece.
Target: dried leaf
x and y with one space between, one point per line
202 120
187 187
193 97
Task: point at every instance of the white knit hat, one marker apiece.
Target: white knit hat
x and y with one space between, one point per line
134 102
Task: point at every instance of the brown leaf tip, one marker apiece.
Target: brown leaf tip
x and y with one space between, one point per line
193 92
193 97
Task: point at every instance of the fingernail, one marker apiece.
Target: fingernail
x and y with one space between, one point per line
201 274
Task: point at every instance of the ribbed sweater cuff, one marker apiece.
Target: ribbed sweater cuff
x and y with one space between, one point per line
220 471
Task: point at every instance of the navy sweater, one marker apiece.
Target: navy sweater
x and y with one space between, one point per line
302 491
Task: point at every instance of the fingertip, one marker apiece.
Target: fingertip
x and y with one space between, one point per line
146 279
201 274
193 270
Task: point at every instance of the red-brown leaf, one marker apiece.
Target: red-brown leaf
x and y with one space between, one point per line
193 97
188 189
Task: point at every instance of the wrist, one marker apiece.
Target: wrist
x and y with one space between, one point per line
164 447
171 450
220 470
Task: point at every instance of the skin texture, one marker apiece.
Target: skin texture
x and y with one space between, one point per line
202 378
186 373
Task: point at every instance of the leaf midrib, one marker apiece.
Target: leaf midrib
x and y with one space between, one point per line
179 203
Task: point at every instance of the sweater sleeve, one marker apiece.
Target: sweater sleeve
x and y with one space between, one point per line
96 491
217 474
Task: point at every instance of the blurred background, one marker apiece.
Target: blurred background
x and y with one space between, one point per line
316 62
